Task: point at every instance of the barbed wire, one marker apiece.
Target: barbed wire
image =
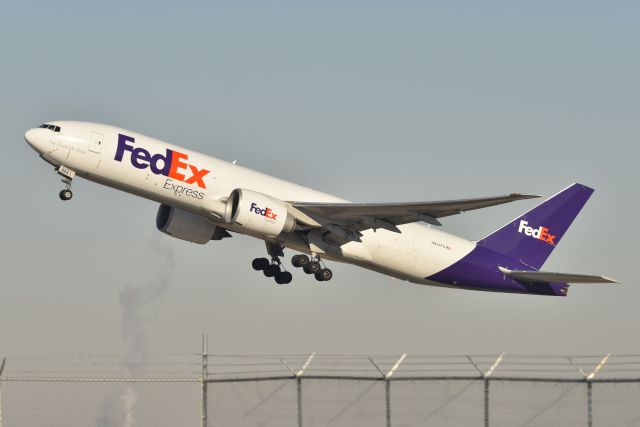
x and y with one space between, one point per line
245 365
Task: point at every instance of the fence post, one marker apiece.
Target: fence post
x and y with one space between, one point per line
387 384
387 393
298 376
299 385
486 376
486 402
204 384
589 404
4 360
590 377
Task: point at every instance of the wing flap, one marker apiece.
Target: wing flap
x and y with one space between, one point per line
549 277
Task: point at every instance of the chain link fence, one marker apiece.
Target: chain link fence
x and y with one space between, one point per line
320 390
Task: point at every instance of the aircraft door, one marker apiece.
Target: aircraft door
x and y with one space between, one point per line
96 142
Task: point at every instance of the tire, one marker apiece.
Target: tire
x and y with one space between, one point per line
303 260
271 270
294 261
324 275
259 264
65 195
283 278
299 260
313 267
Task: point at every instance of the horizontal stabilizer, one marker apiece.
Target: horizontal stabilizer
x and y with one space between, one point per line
548 277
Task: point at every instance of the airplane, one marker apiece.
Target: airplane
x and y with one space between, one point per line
203 198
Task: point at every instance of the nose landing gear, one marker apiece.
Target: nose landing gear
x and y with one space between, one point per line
67 176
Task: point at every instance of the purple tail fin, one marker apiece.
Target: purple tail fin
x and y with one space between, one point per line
532 237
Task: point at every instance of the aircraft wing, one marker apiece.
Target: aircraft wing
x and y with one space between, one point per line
362 216
548 277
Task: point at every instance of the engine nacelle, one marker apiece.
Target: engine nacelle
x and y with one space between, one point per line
258 213
187 226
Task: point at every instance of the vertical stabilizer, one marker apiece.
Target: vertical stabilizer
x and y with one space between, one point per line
532 237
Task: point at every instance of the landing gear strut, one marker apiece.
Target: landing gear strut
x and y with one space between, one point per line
273 268
312 266
67 176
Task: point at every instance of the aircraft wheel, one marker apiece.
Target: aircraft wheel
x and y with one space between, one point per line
312 268
259 264
271 270
299 260
65 195
324 275
283 278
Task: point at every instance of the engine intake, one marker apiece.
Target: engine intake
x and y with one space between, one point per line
258 213
187 226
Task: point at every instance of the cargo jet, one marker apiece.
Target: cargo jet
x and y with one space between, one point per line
203 198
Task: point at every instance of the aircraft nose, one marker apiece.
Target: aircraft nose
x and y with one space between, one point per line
36 138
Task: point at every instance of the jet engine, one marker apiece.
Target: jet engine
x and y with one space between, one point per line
188 226
258 213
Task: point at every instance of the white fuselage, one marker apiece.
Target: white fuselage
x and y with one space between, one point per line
90 150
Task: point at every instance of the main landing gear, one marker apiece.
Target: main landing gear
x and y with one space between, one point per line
273 268
312 266
67 176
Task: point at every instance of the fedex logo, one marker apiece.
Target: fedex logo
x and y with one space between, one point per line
266 212
540 233
172 164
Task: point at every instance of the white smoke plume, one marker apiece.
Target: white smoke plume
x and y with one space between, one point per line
137 320
137 305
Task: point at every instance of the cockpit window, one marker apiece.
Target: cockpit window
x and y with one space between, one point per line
50 127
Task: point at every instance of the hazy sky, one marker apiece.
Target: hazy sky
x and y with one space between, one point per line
371 101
